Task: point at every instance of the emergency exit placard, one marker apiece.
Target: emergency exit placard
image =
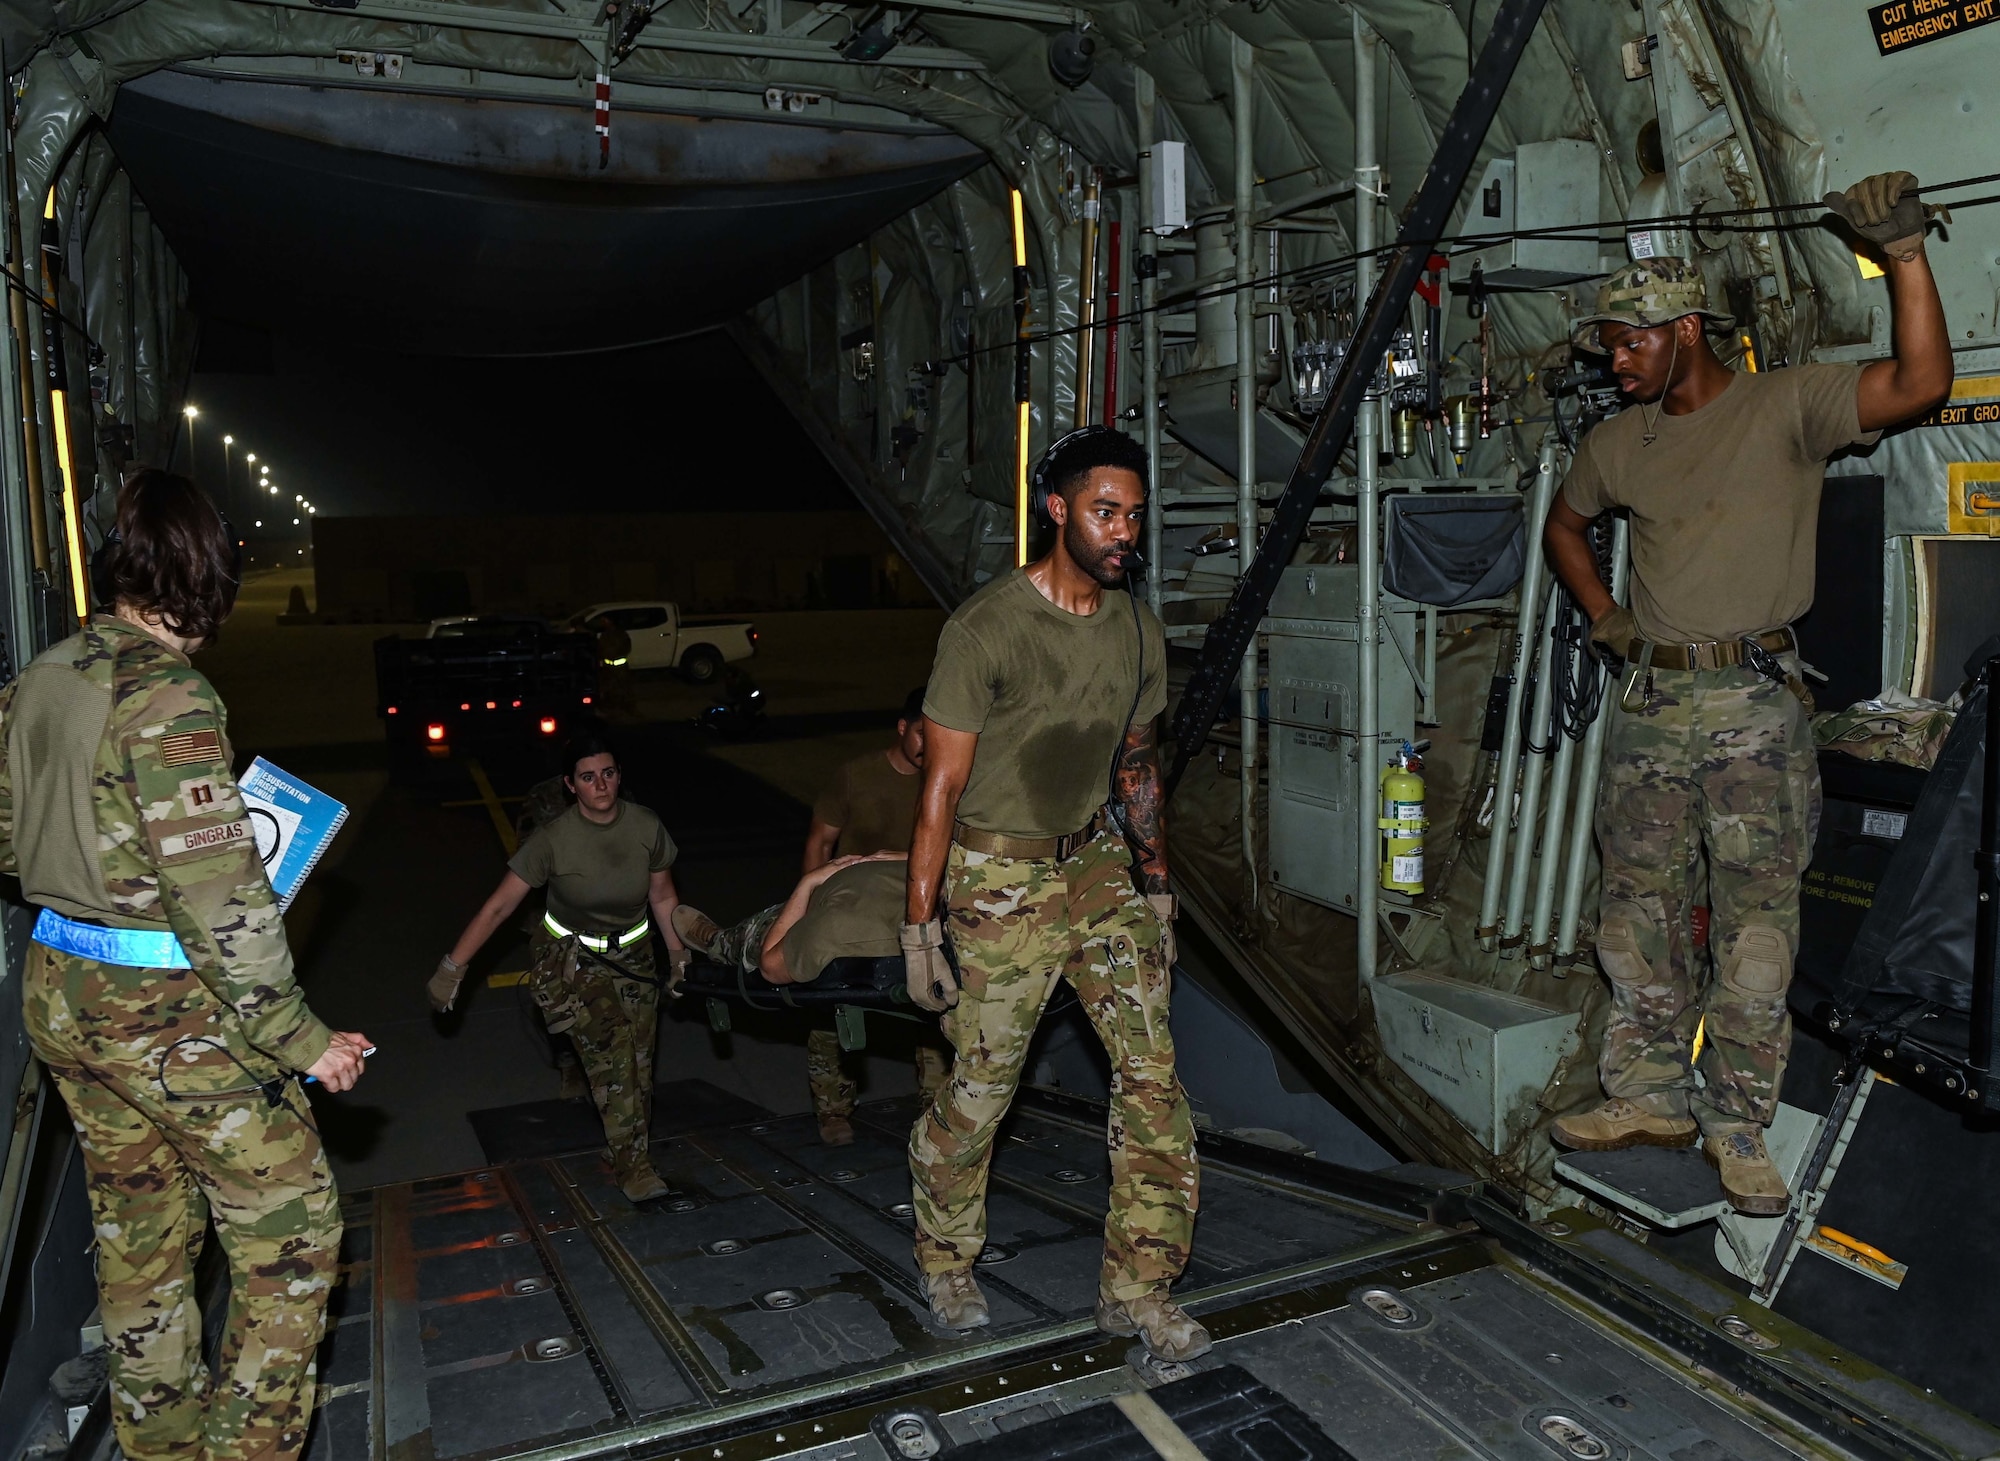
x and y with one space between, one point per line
1906 23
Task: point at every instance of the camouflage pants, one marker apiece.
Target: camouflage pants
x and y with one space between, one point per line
741 945
612 1020
173 1132
1714 777
834 1091
1017 926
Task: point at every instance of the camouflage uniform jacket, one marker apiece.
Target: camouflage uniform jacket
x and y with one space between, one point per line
117 805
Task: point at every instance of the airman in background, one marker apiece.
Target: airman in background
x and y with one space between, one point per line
868 807
615 696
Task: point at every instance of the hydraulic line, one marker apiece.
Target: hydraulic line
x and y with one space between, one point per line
1531 795
1086 310
1243 80
1147 265
1504 777
55 361
1367 502
1577 858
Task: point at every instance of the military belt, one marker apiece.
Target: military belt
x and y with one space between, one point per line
600 942
1028 849
1713 654
130 948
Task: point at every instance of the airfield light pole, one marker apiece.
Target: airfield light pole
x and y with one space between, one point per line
228 487
191 412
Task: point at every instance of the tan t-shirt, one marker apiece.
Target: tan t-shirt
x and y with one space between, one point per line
1725 503
855 914
597 874
872 803
1050 694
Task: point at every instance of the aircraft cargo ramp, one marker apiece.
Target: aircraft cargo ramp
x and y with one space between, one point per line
768 1307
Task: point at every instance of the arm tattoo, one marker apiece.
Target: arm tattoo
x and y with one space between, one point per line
1143 802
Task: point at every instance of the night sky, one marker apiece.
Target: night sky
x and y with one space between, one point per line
686 426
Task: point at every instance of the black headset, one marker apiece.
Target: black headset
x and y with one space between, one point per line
1041 485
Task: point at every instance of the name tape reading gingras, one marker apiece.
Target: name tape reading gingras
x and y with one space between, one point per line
205 839
1906 23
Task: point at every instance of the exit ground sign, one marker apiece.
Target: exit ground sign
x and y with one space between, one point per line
1907 23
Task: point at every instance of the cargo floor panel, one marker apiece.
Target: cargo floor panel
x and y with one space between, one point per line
770 1302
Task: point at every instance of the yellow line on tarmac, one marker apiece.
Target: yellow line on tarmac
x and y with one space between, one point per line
492 802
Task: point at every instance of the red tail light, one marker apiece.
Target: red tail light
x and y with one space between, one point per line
492 705
517 705
586 700
434 731
466 705
548 725
392 710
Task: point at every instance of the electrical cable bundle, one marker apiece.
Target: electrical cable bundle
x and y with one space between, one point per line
1576 685
1577 691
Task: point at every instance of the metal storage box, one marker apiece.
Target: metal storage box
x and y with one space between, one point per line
1485 1056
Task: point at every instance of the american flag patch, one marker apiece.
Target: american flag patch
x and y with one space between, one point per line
187 748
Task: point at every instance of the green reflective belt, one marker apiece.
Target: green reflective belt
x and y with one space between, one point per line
601 942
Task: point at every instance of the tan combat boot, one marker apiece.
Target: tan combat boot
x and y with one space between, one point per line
696 929
1168 1331
956 1302
836 1131
1750 1179
1619 1124
644 1184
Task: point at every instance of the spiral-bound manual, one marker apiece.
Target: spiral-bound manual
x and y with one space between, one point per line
295 824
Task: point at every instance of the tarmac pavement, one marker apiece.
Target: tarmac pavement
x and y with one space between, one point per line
420 852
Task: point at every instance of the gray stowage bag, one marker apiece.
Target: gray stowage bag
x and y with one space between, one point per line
1452 549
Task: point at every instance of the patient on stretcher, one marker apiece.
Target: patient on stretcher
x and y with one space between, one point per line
849 908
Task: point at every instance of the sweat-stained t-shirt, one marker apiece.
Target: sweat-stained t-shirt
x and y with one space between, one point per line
855 914
1050 695
1725 503
872 803
597 874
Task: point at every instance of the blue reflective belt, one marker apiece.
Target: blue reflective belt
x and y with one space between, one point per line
135 948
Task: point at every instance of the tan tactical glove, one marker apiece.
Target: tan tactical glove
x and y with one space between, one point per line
677 966
443 985
926 971
1884 209
1167 906
1614 630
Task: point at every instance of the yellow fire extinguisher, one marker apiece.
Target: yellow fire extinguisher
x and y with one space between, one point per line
1403 823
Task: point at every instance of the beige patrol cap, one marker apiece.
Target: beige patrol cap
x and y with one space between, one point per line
1646 293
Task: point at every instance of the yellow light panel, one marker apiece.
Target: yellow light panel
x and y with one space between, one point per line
72 519
1021 486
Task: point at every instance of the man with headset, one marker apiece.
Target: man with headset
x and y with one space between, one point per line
1041 802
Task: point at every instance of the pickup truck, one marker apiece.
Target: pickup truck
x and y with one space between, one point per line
483 677
663 639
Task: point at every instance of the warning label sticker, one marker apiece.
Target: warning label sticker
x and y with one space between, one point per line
1974 402
1907 23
